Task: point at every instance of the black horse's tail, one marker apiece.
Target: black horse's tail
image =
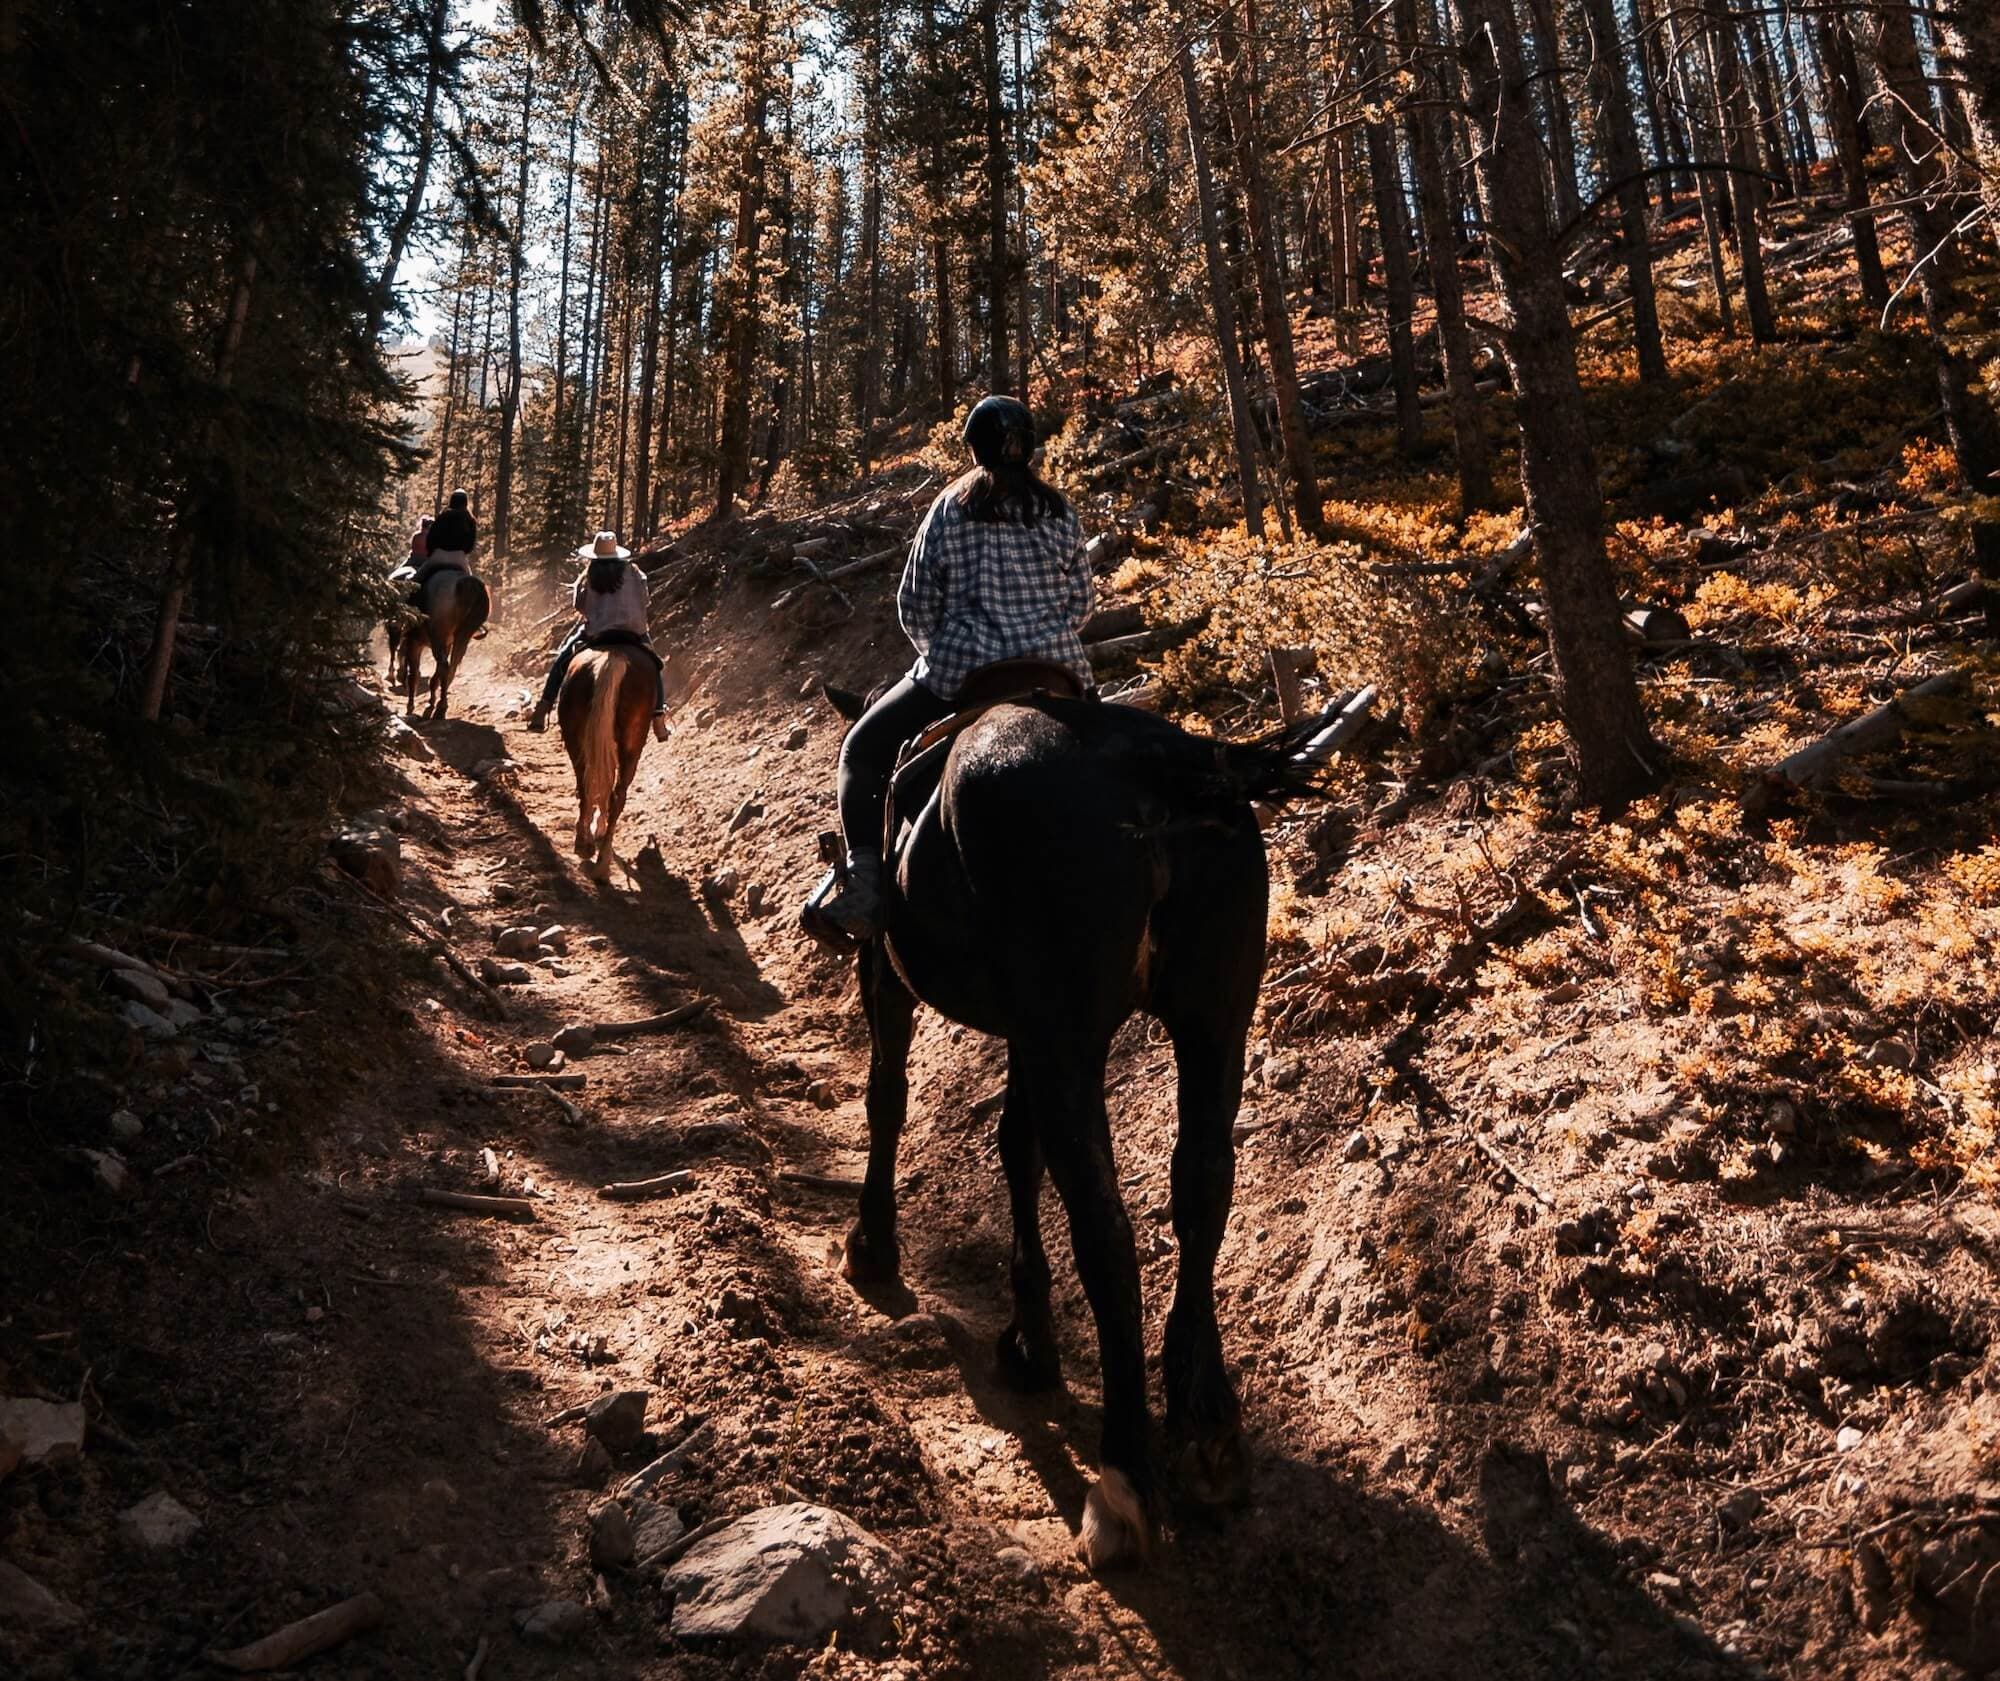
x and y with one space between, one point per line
1275 771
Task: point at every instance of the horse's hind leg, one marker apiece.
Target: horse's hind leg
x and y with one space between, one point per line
872 1254
1202 1409
1027 1348
1068 1094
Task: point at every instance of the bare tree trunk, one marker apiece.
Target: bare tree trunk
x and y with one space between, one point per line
1650 93
1708 183
451 375
1764 97
413 202
1242 425
1023 324
1560 123
1609 740
167 624
869 370
1392 220
510 393
1619 137
1240 61
649 354
1968 416
1969 45
1799 110
999 369
562 285
1473 451
744 291
1670 135
947 328
593 361
1840 77
1732 116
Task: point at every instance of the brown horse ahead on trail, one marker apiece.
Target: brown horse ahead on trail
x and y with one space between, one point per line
606 713
455 606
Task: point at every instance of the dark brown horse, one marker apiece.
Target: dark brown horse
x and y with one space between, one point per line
455 605
1080 861
606 713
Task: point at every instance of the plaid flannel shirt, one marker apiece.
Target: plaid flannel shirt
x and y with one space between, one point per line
976 591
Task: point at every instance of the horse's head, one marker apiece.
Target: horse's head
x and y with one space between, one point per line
851 705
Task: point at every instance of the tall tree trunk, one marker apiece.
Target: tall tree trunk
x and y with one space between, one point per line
173 596
1240 61
1609 740
1764 98
1733 120
1968 415
591 362
869 372
1559 121
1804 142
743 288
1840 80
1428 140
451 374
999 370
384 296
1969 46
1392 219
1242 425
649 353
510 393
1664 107
1619 137
1708 182
1650 93
947 327
1024 335
562 289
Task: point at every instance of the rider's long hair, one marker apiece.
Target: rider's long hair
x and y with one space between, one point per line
1010 492
607 572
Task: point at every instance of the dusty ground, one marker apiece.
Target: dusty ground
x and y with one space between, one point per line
1535 1390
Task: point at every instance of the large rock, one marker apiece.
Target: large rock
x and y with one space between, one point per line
408 742
618 1421
158 1521
371 853
516 942
611 1543
141 985
792 1573
149 1021
555 1622
656 1526
43 1429
25 1603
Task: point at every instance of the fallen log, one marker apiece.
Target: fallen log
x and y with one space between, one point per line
681 1013
1344 720
545 1082
466 1203
1288 667
1960 598
851 569
694 1428
1812 765
835 1183
306 1638
1107 622
637 1190
1652 626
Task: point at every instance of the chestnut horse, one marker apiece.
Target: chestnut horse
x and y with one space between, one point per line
606 713
455 605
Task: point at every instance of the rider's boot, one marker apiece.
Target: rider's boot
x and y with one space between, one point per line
538 720
856 910
661 729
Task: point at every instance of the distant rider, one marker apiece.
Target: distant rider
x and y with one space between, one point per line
611 595
449 543
997 572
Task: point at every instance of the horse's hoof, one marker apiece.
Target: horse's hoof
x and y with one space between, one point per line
1025 1365
1116 1529
1215 1472
869 1262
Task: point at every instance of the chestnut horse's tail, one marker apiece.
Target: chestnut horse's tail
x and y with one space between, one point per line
600 743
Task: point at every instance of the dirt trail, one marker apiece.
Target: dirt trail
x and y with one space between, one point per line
1363 1554
353 1391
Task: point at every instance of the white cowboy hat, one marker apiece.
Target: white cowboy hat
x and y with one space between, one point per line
604 548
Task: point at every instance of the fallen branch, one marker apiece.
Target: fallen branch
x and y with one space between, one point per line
467 1203
672 1460
306 1638
570 1113
661 1557
833 1182
833 574
543 1082
1512 1172
478 1659
647 1024
637 1190
429 936
1811 766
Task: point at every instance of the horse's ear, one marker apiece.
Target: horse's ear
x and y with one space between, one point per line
844 701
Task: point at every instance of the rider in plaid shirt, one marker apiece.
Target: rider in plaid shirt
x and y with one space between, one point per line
997 572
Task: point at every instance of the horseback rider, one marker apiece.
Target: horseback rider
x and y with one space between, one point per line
441 543
611 595
996 572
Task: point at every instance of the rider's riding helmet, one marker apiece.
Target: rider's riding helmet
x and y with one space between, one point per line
1000 432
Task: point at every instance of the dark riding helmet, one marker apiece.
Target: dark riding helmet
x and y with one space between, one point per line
1000 432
